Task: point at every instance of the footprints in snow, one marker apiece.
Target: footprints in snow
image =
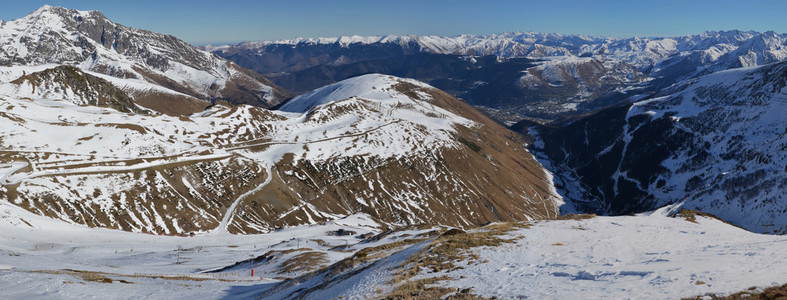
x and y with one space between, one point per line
601 276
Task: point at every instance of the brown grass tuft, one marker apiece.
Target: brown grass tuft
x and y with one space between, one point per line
306 261
576 217
453 231
452 246
421 289
691 216
771 293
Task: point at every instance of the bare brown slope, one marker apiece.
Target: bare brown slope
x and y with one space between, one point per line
482 173
153 200
93 90
489 177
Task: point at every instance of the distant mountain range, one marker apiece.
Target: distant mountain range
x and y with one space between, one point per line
748 48
532 75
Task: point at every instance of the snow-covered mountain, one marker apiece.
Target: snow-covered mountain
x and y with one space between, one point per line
517 44
399 150
753 48
587 73
716 143
158 71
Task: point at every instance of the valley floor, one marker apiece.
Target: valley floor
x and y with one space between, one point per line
646 256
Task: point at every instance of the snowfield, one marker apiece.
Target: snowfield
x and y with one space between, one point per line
648 256
645 257
42 258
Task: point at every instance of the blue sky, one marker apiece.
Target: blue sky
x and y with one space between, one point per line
222 21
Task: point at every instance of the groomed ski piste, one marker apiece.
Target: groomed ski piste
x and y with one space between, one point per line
651 256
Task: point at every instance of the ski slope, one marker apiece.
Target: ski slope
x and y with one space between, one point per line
648 256
42 258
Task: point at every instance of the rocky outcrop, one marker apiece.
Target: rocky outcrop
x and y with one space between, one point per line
70 83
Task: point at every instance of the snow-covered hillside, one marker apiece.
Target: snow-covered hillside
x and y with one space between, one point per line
375 144
732 162
645 256
715 143
46 258
373 87
160 67
652 256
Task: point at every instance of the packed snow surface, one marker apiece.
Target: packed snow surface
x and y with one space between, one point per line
41 258
646 257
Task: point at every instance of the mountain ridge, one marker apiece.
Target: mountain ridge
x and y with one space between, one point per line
90 41
504 73
526 44
395 149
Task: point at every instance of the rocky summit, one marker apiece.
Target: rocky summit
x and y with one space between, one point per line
158 71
